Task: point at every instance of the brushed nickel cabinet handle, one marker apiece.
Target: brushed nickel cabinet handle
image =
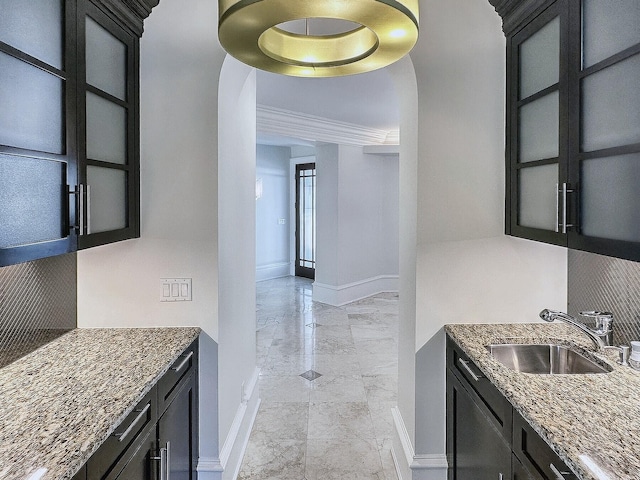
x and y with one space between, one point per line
559 475
123 435
184 362
466 366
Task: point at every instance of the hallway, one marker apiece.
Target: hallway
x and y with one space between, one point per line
327 384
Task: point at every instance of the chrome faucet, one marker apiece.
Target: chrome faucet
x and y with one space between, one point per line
602 336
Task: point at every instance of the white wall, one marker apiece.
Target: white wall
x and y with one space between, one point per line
238 400
466 269
272 238
357 221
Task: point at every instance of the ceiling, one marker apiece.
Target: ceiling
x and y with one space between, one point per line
368 100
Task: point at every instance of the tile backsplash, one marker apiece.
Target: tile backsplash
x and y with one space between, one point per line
37 304
602 283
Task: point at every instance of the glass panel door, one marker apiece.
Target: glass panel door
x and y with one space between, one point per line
306 220
537 104
608 152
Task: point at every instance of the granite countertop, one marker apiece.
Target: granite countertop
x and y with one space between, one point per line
60 402
591 421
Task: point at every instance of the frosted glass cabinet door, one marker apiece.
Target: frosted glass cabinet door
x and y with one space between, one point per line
611 106
31 107
34 27
539 129
537 187
609 27
107 199
610 201
540 59
106 60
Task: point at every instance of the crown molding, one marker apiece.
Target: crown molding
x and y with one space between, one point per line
514 12
278 121
131 13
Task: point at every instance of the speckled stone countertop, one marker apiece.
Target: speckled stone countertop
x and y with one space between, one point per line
591 421
60 402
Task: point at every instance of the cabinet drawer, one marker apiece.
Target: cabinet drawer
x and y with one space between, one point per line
498 407
109 458
168 385
537 458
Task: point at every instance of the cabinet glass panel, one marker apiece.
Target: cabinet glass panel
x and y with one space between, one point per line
540 59
608 28
537 197
539 128
610 198
611 106
106 58
32 103
34 27
108 199
106 130
31 189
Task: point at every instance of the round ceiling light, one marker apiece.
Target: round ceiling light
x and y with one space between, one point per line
259 33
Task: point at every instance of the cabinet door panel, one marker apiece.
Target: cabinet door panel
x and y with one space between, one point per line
540 59
108 199
479 451
106 58
34 27
176 433
538 196
611 106
609 200
31 189
106 130
539 127
609 28
32 114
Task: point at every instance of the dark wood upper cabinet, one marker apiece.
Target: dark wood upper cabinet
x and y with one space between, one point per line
573 124
69 125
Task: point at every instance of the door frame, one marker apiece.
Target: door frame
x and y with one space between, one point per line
300 271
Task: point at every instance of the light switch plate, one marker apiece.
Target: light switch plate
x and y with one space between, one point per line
175 290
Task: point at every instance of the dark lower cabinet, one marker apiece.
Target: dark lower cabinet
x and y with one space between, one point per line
176 434
159 439
486 438
479 452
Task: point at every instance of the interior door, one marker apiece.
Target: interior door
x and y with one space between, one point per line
306 220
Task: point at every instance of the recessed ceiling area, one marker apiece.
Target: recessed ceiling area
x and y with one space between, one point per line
367 100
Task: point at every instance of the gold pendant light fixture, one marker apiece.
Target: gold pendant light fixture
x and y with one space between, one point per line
380 32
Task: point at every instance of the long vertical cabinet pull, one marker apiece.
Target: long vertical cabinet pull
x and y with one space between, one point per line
81 209
565 190
561 224
165 462
88 204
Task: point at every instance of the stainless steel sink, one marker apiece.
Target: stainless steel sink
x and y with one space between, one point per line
544 359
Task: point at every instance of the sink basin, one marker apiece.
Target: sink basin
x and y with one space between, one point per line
544 359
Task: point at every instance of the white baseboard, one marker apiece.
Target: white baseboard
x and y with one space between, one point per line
235 445
351 292
209 469
410 466
272 270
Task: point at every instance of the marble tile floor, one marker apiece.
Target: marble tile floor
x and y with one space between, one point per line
328 382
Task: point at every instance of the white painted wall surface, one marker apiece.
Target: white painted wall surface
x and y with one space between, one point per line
358 232
237 260
272 238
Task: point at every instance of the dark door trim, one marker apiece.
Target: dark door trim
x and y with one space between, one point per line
305 267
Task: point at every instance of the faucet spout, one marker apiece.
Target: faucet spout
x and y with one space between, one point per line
600 337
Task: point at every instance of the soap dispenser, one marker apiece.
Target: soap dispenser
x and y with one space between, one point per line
634 359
